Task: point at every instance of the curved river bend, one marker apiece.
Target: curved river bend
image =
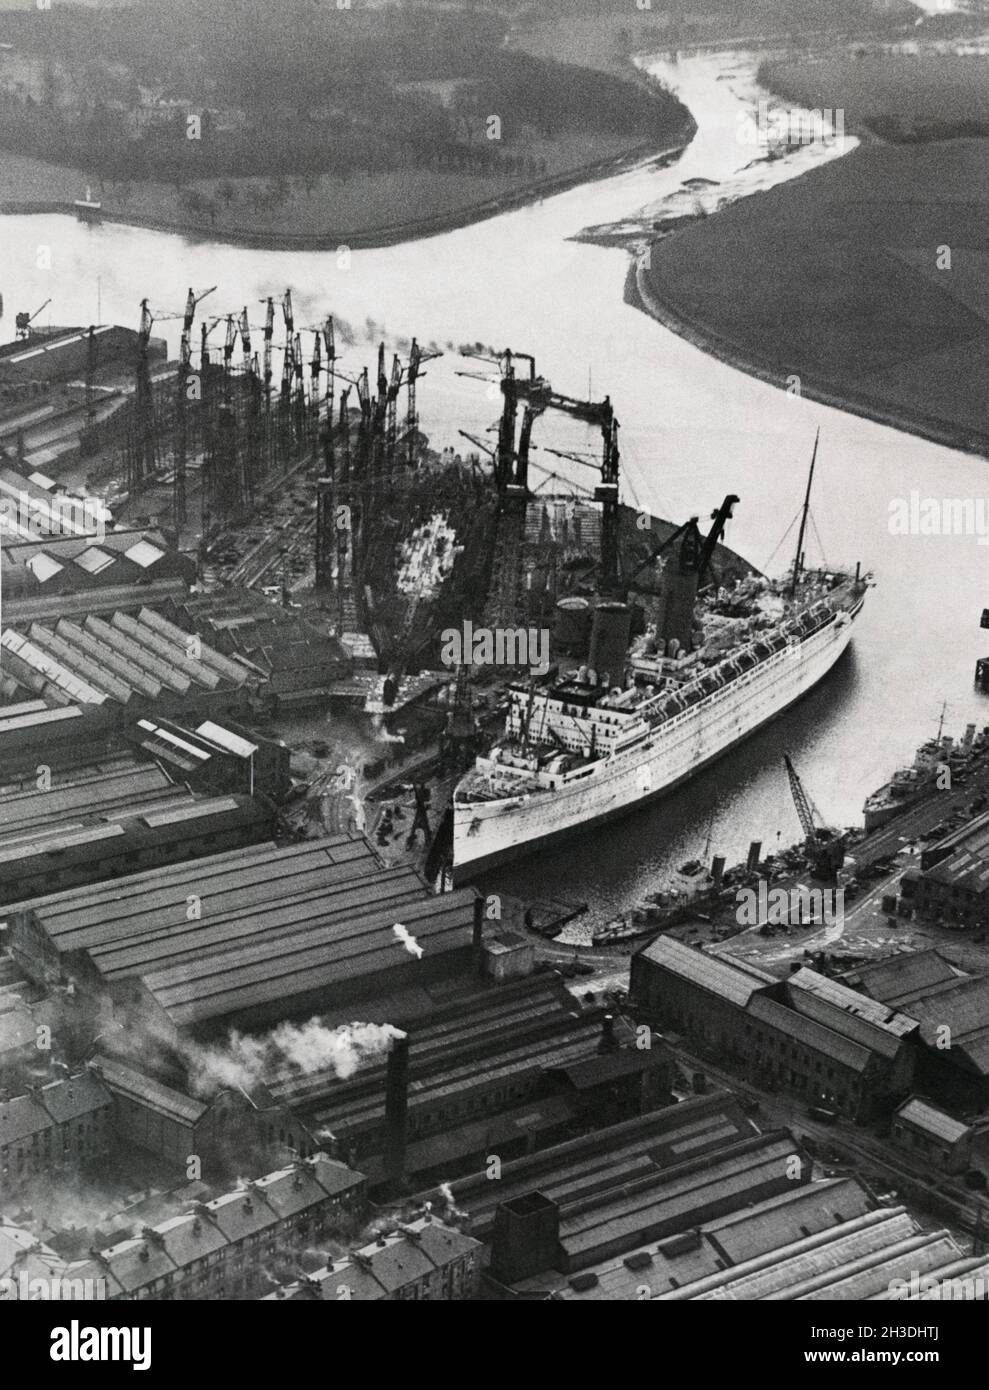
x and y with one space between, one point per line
693 430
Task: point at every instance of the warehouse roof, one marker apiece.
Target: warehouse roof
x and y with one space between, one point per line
274 923
901 978
808 1031
962 1009
933 1121
967 864
732 982
134 1085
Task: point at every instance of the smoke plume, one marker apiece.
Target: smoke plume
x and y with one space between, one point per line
403 935
304 1049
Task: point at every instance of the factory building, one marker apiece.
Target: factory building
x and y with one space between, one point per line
63 354
301 664
64 1127
899 980
234 1246
427 1261
36 512
140 663
98 847
952 884
504 1071
882 1254
931 1136
248 937
74 565
32 734
215 757
808 1034
229 1129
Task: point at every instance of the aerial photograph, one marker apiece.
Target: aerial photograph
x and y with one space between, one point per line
494 739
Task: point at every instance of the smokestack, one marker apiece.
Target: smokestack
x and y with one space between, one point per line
755 850
718 870
607 1043
478 941
396 1114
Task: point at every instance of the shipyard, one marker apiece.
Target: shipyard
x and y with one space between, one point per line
494 726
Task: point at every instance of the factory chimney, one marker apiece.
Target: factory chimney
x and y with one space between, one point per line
718 870
396 1114
608 1042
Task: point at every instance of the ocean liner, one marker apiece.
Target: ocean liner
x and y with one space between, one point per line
639 718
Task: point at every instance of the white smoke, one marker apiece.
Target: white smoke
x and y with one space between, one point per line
403 935
306 1048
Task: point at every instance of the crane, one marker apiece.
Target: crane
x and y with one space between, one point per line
23 321
414 372
696 550
825 848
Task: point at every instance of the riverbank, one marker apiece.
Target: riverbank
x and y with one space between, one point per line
703 336
837 286
16 182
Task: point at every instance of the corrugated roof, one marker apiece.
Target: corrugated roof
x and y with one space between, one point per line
931 1120
799 1028
733 982
902 977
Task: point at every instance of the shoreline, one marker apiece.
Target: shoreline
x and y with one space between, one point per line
701 335
376 237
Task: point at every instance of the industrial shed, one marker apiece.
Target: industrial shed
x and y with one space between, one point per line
248 937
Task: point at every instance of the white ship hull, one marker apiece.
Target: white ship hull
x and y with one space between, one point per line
491 832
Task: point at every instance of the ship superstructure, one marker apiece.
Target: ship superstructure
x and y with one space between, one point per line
579 753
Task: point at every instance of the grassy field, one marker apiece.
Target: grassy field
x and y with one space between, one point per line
835 278
896 96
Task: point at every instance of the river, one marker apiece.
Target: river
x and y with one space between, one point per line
693 430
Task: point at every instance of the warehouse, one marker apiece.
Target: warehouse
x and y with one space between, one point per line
868 1257
249 937
536 1232
815 1036
88 848
502 1070
680 1261
132 661
71 565
62 354
953 880
901 979
230 1130
932 1136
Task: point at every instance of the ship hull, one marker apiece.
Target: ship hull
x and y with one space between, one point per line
487 834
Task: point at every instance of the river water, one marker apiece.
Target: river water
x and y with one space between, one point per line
693 430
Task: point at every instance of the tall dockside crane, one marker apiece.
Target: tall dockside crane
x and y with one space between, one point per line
825 849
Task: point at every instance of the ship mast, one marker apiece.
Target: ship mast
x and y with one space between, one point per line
803 519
